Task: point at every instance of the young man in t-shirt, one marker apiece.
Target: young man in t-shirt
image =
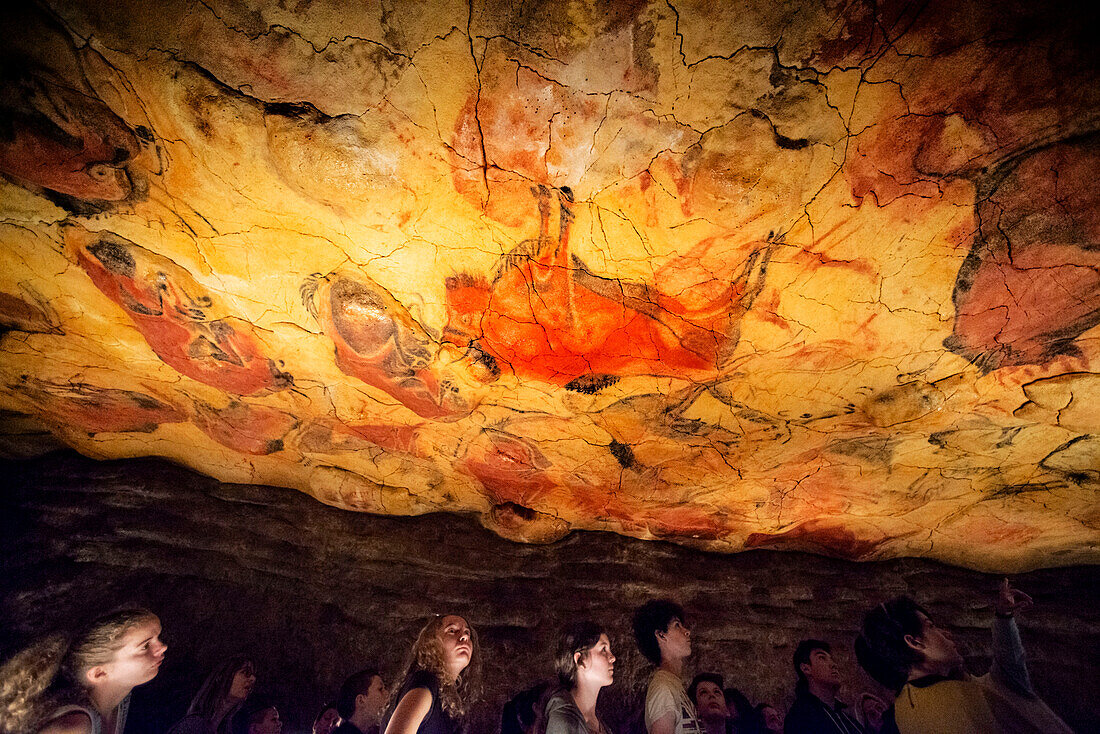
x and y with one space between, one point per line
666 642
902 648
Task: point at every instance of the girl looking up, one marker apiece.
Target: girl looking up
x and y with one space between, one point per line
441 680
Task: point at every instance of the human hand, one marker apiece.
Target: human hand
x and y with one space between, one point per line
873 708
1010 601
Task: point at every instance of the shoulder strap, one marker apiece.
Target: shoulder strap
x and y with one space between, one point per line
97 725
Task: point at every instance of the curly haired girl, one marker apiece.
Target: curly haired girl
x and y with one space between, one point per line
81 684
441 680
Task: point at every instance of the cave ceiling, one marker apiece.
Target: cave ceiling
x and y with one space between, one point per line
819 276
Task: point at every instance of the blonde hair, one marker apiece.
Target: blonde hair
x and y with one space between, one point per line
455 696
50 672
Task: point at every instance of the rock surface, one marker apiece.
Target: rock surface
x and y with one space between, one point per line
314 592
809 275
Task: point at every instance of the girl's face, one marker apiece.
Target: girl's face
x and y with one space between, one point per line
243 682
457 643
138 658
326 722
599 664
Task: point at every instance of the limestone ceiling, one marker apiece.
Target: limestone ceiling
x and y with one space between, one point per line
821 276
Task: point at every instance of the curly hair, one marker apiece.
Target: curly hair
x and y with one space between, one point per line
50 672
455 696
881 648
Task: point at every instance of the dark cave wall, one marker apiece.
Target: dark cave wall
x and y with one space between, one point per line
315 593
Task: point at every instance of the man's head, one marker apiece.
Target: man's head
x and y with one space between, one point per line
362 697
706 693
263 719
813 663
660 632
899 637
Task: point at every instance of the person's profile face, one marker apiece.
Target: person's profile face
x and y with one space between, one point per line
375 698
243 682
269 723
873 710
937 646
676 640
599 663
138 657
772 719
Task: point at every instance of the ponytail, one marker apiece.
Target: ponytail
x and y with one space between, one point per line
50 672
24 681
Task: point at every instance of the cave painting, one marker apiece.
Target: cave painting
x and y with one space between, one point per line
805 276
1031 283
377 341
28 312
509 467
94 409
61 140
249 429
526 484
329 435
544 314
56 135
172 312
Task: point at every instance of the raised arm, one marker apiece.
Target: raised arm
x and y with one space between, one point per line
1009 660
411 710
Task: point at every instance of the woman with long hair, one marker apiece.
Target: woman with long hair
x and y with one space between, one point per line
585 664
219 697
441 680
81 684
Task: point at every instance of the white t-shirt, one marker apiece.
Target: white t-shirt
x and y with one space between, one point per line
666 693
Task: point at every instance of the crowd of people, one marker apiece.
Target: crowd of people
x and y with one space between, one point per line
81 683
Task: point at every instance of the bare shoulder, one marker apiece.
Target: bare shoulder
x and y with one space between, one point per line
75 722
410 711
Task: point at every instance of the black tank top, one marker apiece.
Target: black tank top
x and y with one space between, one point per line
437 721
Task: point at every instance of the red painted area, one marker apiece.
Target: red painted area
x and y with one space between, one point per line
881 164
331 435
511 468
17 314
995 532
167 307
519 129
819 535
1031 283
681 522
547 316
249 429
378 342
66 141
97 409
